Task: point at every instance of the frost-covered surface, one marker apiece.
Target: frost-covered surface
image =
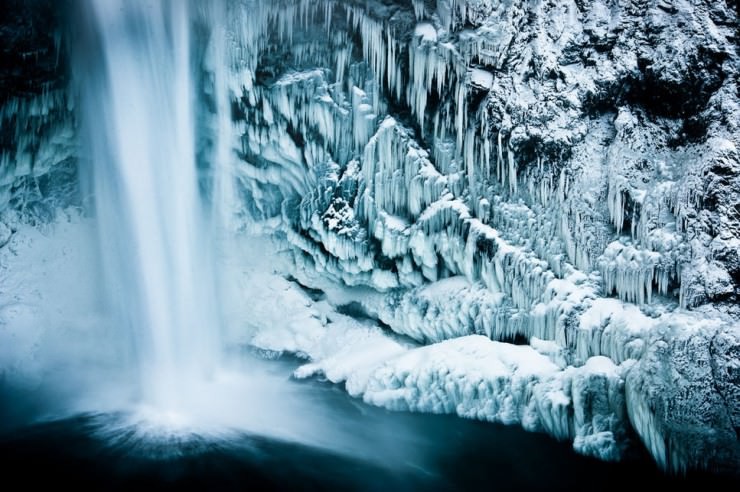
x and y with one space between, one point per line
472 172
561 173
53 325
470 376
38 148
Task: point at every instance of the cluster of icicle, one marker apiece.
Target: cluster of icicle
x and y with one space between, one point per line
650 258
364 203
42 129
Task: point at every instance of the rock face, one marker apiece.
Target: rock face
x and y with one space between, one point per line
574 162
37 122
558 173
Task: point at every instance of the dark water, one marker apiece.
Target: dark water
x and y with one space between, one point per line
404 452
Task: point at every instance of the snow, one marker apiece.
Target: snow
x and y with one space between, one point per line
470 376
481 78
53 323
425 31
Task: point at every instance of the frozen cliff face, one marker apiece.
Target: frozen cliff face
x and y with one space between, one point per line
37 135
558 173
473 174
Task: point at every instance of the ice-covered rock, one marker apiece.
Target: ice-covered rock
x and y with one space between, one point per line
470 376
561 174
524 172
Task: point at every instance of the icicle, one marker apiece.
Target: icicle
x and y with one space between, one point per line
461 118
418 9
500 159
470 164
512 172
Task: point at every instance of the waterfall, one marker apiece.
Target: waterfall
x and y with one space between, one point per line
222 159
139 101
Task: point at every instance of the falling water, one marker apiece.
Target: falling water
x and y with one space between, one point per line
140 114
217 62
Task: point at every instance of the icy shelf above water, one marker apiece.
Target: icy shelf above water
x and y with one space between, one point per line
470 376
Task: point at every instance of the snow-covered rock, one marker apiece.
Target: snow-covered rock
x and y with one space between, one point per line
534 172
470 376
564 174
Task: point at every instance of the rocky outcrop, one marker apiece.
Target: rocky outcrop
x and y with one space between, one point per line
575 162
38 151
558 173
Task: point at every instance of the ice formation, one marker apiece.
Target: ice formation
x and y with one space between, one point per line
472 173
